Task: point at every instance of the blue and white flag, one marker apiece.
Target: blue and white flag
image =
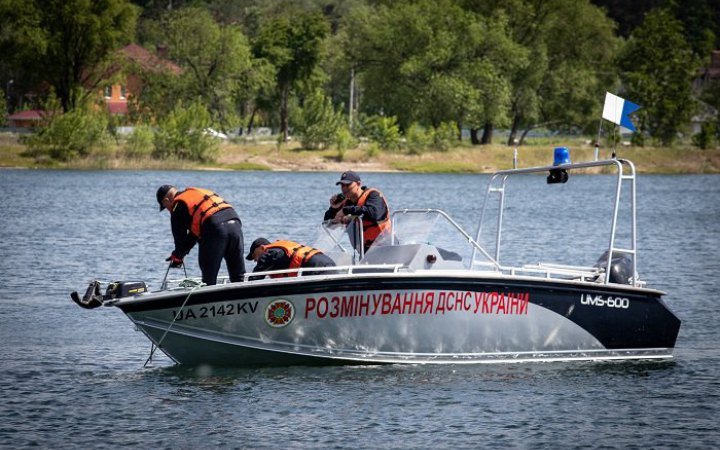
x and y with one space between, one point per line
617 110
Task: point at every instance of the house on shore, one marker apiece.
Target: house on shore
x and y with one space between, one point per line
128 81
121 82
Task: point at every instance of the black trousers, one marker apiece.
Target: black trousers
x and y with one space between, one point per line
319 260
220 241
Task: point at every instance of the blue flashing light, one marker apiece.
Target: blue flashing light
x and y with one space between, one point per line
561 156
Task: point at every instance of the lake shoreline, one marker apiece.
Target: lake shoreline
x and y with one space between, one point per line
465 158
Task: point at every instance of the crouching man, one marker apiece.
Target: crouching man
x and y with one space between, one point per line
283 255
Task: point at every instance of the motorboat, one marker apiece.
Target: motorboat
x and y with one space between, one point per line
416 298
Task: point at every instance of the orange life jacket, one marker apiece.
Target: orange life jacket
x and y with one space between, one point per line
201 205
372 229
299 254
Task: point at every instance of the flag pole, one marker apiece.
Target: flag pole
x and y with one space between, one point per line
597 142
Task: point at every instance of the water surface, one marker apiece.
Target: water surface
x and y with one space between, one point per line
75 378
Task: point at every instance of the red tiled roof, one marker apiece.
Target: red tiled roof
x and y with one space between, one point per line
149 61
31 114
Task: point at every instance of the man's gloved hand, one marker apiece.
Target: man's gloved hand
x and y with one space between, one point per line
352 211
174 260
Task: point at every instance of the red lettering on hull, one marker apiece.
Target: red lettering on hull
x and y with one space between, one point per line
418 303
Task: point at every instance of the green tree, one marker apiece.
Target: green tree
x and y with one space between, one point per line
293 44
710 97
579 74
701 21
657 69
70 135
66 43
383 130
182 134
429 62
215 59
566 66
320 124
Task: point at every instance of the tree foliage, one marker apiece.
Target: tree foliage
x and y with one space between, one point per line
183 134
66 43
429 62
293 44
70 135
658 67
320 124
570 49
421 70
214 57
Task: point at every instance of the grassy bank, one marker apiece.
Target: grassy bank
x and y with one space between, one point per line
462 159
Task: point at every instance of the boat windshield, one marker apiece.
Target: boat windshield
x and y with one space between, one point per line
336 240
428 226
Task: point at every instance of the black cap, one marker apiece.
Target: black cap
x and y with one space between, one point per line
162 192
348 177
256 243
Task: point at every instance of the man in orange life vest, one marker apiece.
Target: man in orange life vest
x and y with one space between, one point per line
199 215
359 200
282 255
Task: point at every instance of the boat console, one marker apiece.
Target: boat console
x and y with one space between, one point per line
414 257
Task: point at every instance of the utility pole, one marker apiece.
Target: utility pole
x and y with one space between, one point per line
7 94
352 98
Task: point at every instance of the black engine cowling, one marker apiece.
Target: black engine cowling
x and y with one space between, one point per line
621 267
121 289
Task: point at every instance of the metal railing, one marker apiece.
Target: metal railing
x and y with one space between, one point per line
293 274
497 185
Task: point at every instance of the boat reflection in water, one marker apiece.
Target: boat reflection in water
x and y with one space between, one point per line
410 299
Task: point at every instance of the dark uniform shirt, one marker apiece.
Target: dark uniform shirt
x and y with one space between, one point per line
180 220
373 209
277 259
272 259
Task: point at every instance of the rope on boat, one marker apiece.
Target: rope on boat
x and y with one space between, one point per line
194 284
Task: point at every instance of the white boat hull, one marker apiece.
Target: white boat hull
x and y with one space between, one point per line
404 319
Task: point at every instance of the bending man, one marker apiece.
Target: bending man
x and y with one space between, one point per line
199 215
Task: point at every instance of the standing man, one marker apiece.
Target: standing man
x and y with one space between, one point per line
359 200
282 255
199 215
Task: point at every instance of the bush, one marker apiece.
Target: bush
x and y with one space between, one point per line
705 139
181 134
444 136
319 124
70 135
372 150
384 131
418 139
344 138
140 142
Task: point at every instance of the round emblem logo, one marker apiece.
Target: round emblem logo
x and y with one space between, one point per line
279 313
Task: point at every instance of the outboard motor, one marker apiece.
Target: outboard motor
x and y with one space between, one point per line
93 298
121 289
621 267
